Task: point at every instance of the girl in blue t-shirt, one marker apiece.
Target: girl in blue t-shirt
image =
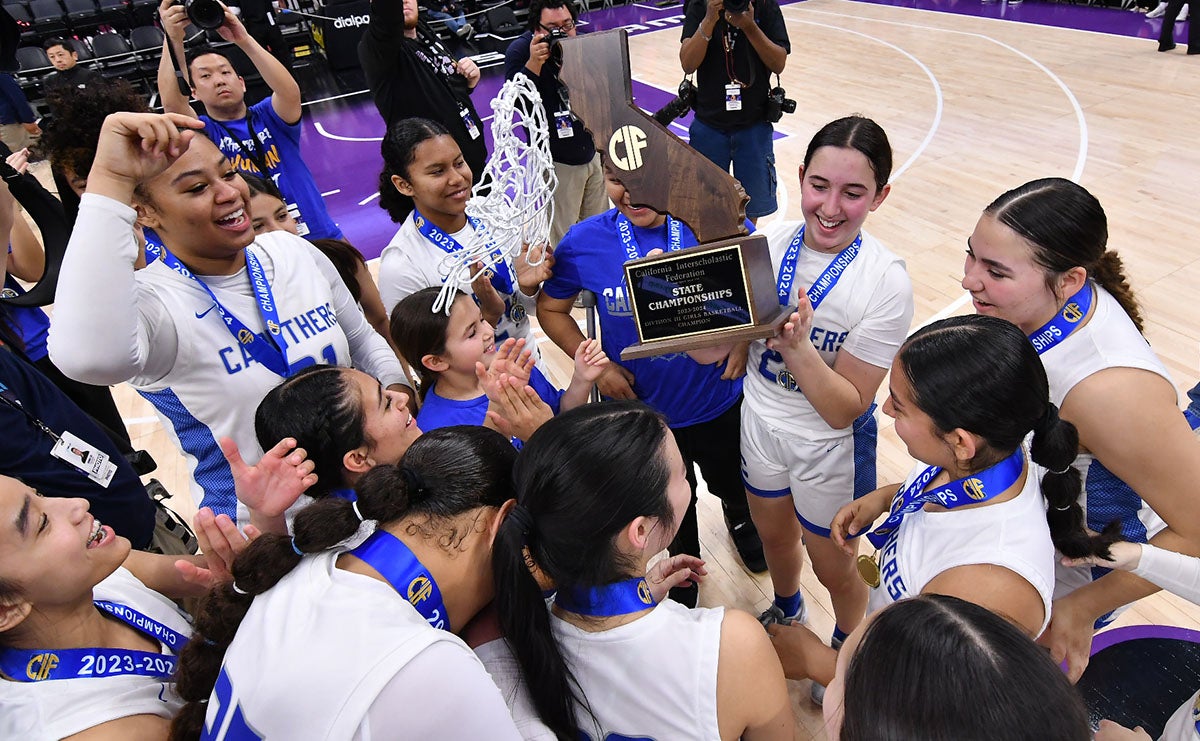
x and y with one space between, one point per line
460 366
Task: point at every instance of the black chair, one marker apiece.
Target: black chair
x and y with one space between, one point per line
33 59
82 16
114 55
147 42
115 13
142 12
82 50
502 28
49 18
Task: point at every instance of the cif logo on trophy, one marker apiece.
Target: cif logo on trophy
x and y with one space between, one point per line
722 290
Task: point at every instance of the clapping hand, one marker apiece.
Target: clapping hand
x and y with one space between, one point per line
220 542
590 361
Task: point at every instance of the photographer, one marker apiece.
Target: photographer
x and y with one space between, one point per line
536 55
734 46
263 139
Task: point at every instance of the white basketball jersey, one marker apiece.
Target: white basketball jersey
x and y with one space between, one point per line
1012 534
1184 724
411 262
57 708
215 384
314 652
867 314
653 678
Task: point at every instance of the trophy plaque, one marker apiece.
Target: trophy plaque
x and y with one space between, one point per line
722 290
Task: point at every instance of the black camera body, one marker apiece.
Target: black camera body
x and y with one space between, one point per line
778 103
556 35
206 14
679 106
737 6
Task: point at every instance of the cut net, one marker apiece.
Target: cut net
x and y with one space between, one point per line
513 203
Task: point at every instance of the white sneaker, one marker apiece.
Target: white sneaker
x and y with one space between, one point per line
774 615
1158 11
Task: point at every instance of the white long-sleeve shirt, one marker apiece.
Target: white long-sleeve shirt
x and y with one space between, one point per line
160 331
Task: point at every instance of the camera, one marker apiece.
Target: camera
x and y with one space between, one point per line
206 14
556 35
681 104
737 6
778 103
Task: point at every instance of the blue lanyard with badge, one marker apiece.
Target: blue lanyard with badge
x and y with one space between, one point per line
273 353
41 664
396 563
68 447
1065 321
620 598
633 251
816 294
975 489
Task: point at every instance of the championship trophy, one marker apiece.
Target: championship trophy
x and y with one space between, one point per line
721 291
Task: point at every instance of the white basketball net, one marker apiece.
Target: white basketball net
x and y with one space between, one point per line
514 199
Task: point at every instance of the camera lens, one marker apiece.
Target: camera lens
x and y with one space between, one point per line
206 14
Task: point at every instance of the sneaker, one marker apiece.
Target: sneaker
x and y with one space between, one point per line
749 546
774 616
817 693
1158 11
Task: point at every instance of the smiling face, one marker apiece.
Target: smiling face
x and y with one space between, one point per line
199 206
217 85
52 549
269 214
469 340
916 428
388 426
1003 279
837 191
439 181
642 217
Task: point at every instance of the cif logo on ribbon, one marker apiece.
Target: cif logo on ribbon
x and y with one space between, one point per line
418 221
974 489
245 336
1072 313
419 590
40 666
632 141
643 591
272 327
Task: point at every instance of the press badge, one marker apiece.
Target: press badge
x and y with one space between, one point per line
562 122
84 457
294 211
733 97
469 122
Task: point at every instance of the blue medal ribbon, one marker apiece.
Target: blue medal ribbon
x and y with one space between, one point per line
395 562
618 598
968 490
502 278
633 251
1065 321
825 282
1193 419
40 664
270 353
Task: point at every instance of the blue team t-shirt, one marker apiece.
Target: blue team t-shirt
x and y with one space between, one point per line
438 411
32 324
278 144
592 257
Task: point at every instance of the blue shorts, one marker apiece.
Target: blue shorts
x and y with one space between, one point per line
751 151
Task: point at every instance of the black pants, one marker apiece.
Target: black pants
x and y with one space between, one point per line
1167 37
714 446
96 401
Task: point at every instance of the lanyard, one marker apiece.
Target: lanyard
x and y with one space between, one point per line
1064 322
8 397
39 664
502 279
633 251
825 282
969 490
619 598
395 562
250 146
272 354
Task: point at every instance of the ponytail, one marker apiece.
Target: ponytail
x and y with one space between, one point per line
446 472
1055 445
1109 272
525 622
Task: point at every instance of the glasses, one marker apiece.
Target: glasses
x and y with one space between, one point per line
564 26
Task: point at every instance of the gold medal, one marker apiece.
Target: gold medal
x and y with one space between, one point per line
868 570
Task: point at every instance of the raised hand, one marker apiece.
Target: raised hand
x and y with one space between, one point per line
491 303
174 19
590 360
513 359
134 147
517 410
232 29
273 484
794 334
220 542
530 277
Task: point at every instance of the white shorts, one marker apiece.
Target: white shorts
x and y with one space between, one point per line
821 477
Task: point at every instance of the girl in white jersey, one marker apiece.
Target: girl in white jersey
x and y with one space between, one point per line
937 667
1038 257
424 186
360 643
88 637
808 427
602 489
219 318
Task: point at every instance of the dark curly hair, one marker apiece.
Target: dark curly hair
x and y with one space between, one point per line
69 142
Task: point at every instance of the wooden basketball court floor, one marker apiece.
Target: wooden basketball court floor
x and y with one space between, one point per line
973 106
